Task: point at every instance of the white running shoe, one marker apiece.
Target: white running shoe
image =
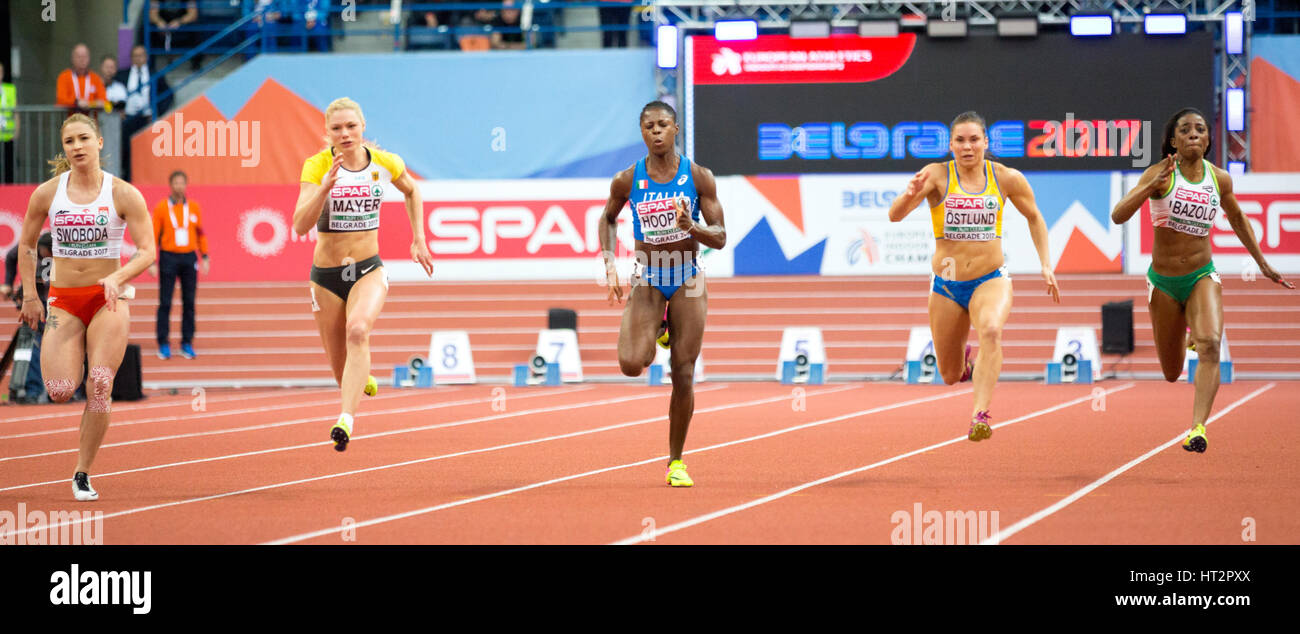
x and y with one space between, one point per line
81 488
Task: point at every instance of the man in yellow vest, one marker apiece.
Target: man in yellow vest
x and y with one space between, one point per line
8 128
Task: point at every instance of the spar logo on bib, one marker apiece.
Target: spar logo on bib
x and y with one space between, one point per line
972 203
1193 196
357 191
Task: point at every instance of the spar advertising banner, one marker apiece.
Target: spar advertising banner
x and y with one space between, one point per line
846 104
502 230
1272 204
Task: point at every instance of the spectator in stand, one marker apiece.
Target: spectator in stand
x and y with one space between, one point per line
8 128
504 26
114 90
78 89
182 253
273 14
168 16
315 16
421 30
476 27
138 110
615 18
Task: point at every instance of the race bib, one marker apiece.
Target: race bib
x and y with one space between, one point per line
81 233
355 207
970 218
659 221
1192 212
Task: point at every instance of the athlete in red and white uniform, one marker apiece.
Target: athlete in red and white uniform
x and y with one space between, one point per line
89 211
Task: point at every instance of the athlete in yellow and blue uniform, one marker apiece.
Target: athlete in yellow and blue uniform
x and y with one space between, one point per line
340 195
1187 192
966 197
670 194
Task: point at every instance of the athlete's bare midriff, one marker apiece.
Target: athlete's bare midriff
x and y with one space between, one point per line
339 249
959 261
1175 253
77 272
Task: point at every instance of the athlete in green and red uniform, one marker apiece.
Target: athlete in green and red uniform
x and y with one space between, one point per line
1186 193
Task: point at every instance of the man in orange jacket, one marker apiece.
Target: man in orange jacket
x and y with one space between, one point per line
182 253
78 88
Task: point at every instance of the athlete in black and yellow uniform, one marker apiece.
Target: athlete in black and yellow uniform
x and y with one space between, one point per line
970 287
341 193
1183 289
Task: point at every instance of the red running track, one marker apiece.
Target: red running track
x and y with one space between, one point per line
836 463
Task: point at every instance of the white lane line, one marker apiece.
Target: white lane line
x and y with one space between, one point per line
424 316
792 490
404 430
786 430
180 402
1073 497
296 421
203 414
585 432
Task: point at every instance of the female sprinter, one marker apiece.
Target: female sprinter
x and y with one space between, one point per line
1186 193
87 318
970 285
669 193
341 192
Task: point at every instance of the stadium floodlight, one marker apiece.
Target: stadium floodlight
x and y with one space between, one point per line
946 28
1235 107
667 46
1236 168
810 28
735 29
1091 25
878 28
1164 24
1233 32
1018 26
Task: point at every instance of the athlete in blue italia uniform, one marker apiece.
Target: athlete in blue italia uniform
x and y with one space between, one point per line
669 194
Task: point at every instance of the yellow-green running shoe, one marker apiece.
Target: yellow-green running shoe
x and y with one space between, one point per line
341 433
1196 440
663 338
372 386
677 476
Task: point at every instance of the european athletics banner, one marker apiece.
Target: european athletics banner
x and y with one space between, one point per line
846 104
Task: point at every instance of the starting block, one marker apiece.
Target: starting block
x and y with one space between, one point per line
537 372
404 377
802 371
802 357
1075 357
920 365
660 372
1225 361
1225 371
1079 371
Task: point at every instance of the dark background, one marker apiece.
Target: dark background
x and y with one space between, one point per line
1126 76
